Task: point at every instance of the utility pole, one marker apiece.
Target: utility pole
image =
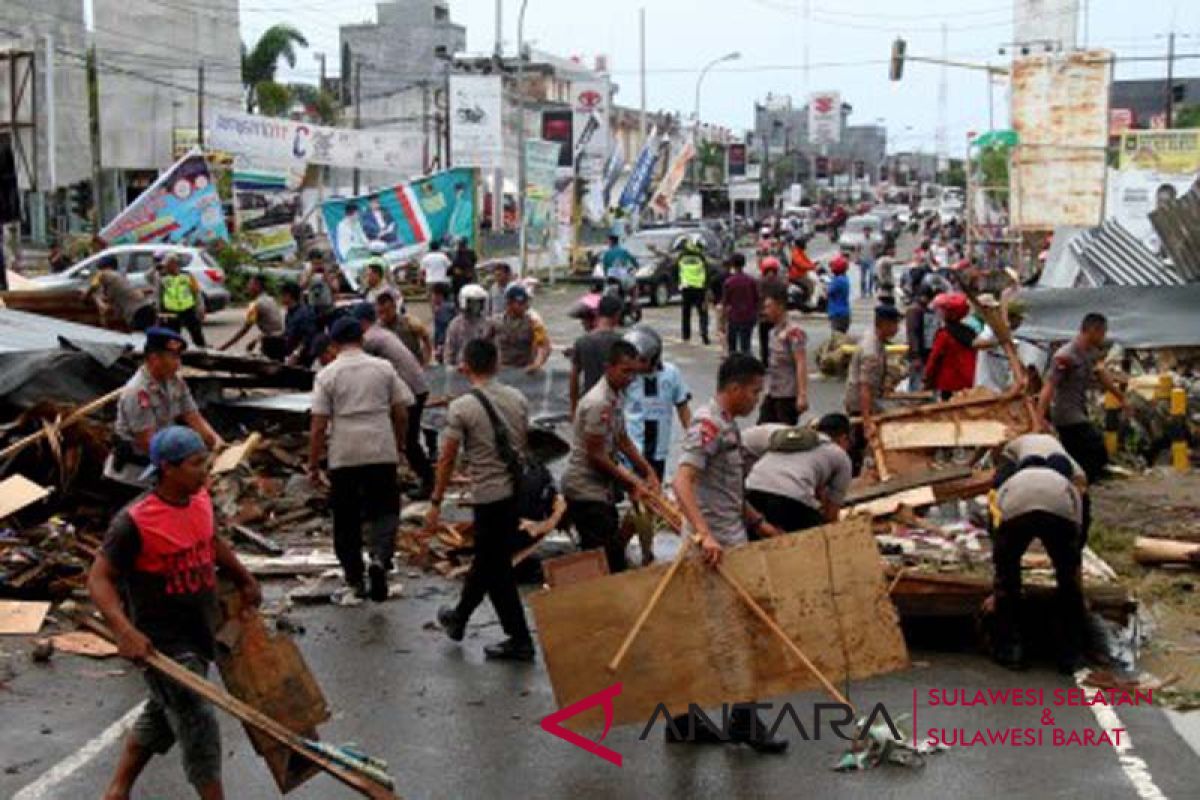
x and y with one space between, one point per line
1170 108
51 122
94 135
320 57
498 53
522 189
200 104
357 109
642 75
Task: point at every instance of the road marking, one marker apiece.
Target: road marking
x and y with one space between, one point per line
1135 768
48 784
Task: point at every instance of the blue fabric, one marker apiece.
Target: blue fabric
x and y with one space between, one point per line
617 257
641 408
839 296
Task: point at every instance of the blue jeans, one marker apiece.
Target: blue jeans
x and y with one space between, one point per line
738 335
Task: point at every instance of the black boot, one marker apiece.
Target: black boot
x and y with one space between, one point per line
510 650
748 728
1010 655
454 626
680 731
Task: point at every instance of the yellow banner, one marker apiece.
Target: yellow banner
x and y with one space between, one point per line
1173 152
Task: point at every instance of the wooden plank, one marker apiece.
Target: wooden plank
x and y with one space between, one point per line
251 716
22 616
231 457
946 433
860 493
881 507
703 644
82 643
17 492
1164 552
574 567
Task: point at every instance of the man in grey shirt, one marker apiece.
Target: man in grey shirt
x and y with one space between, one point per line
1064 399
1038 499
360 407
469 431
709 488
594 472
382 343
800 476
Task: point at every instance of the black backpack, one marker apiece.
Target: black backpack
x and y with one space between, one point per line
533 483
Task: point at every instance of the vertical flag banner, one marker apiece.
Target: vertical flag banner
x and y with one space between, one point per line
639 179
181 207
401 220
671 181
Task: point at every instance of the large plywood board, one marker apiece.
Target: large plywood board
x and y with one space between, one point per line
948 433
825 588
17 492
1060 113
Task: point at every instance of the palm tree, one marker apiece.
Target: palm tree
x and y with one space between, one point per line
259 64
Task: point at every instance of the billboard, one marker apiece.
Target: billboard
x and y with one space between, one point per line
1173 152
1039 23
476 122
1134 193
824 118
590 107
270 142
735 160
180 207
266 205
401 220
541 168
1060 114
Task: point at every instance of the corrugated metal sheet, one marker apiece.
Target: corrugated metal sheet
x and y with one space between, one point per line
1177 223
1060 112
1112 256
22 332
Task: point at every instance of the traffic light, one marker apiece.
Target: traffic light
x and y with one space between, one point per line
896 70
1178 93
81 199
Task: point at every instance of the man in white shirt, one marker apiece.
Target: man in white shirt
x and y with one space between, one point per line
435 265
351 241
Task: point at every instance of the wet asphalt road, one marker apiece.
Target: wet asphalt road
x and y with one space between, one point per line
454 726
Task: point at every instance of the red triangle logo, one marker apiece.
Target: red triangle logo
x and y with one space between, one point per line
552 724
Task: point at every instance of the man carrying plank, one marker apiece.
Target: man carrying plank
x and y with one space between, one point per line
155 582
712 498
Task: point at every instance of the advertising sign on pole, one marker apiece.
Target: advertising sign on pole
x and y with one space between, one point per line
180 207
476 123
735 156
824 118
671 181
590 106
541 167
1173 152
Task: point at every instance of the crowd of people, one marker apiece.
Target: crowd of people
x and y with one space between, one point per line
154 578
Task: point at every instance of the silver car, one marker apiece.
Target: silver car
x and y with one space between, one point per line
136 262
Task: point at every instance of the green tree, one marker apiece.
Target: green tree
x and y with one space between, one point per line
274 99
260 63
321 105
1187 117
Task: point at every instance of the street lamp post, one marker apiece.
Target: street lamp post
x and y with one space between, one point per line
521 165
734 56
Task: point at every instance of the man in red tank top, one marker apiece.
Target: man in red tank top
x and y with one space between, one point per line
154 581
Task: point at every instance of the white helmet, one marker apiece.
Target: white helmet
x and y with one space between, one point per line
472 291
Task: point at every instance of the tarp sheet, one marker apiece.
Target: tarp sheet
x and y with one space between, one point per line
1138 316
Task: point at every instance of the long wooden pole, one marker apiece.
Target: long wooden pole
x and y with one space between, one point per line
68 421
251 716
615 664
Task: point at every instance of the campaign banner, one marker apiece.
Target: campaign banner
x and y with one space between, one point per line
266 205
284 142
639 178
180 207
476 122
824 118
1170 152
398 222
612 171
1134 193
541 168
670 182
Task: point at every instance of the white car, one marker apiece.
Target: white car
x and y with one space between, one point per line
854 234
950 209
136 261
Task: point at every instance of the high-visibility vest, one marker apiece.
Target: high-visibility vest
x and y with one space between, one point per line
692 272
177 293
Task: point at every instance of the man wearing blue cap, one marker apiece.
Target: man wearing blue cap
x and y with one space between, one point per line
153 399
358 400
520 334
154 580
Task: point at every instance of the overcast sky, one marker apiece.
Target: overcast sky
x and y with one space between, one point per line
848 42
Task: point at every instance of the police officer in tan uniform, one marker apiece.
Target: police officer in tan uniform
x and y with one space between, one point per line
520 334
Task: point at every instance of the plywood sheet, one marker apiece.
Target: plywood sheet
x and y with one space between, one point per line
229 458
944 433
22 616
824 587
913 498
16 492
574 567
84 643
